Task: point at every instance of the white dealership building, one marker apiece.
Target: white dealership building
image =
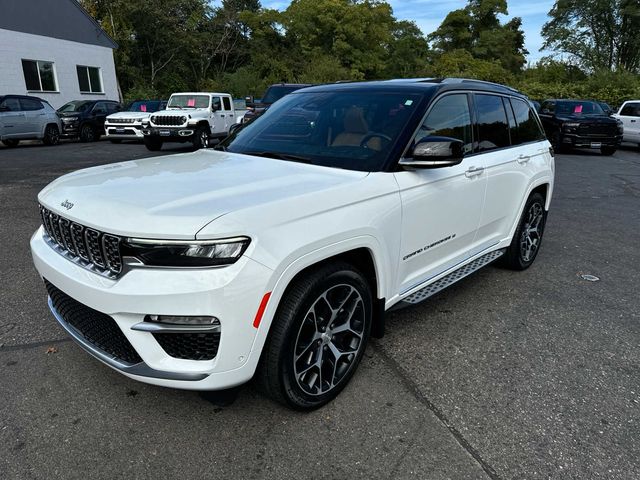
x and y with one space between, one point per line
55 50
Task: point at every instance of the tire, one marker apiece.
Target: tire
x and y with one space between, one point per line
527 240
88 133
608 151
12 142
152 144
51 135
200 138
336 295
115 140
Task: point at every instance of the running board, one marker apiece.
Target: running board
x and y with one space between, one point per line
452 277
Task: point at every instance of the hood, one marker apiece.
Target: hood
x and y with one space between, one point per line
134 115
605 119
176 195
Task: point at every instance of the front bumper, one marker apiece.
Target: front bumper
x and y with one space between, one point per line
590 141
123 131
70 130
172 134
232 294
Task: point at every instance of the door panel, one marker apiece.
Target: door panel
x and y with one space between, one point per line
219 116
441 207
35 116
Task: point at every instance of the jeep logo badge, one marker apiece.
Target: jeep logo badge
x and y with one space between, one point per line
67 204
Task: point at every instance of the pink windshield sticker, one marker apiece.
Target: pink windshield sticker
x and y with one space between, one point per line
143 108
578 109
191 102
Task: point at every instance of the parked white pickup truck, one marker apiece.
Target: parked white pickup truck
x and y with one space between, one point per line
191 117
629 114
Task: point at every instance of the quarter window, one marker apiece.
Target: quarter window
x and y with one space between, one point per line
39 76
528 127
449 117
493 129
89 79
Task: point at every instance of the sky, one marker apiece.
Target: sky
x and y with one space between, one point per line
428 14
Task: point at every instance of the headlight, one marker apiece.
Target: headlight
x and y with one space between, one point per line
187 253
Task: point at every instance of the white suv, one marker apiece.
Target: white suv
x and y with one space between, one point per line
191 117
28 118
127 124
278 253
629 114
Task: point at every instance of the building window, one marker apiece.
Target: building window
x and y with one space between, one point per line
89 79
39 76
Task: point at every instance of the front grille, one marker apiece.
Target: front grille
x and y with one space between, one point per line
189 346
121 120
95 250
96 328
598 130
168 120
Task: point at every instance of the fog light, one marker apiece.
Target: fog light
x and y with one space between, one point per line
182 320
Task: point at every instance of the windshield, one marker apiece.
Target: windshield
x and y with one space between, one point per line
188 101
578 108
275 93
149 106
75 106
342 129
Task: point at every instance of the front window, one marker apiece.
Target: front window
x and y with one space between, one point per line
341 129
276 93
578 108
89 79
144 106
450 117
39 76
188 101
75 106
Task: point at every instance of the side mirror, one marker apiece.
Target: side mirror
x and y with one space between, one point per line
435 152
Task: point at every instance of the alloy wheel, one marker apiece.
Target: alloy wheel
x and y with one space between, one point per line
329 339
532 232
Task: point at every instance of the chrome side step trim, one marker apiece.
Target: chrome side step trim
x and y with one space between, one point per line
452 277
140 369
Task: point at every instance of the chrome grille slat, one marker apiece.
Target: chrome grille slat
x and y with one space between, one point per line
90 248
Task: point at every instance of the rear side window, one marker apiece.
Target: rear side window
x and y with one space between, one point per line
528 127
449 117
631 110
227 103
493 129
30 104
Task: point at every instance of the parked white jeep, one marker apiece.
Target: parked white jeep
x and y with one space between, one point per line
191 117
278 253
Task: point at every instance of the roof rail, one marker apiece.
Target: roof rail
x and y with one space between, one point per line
479 82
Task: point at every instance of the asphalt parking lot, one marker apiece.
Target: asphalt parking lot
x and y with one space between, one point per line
529 375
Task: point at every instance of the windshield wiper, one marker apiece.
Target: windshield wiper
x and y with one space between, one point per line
280 156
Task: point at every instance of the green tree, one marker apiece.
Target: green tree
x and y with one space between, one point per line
597 34
477 30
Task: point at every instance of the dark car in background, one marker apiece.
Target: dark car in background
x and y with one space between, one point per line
84 119
580 124
271 95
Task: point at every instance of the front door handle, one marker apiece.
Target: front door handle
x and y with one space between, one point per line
633 121
522 159
473 171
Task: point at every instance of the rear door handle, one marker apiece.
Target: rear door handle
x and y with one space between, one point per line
522 159
633 121
474 171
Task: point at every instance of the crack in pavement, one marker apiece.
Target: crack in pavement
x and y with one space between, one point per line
26 346
417 393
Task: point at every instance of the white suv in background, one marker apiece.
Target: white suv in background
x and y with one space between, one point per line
629 114
191 117
278 254
28 118
127 124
